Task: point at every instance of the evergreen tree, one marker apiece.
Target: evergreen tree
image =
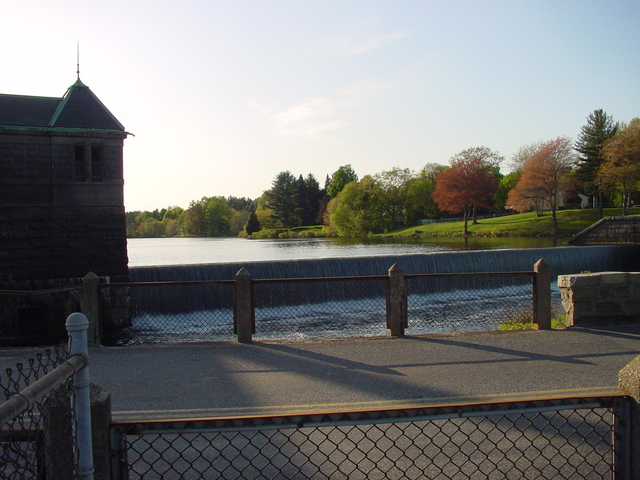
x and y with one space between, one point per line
599 128
310 200
253 225
282 199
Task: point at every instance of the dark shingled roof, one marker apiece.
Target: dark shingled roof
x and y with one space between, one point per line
78 109
22 111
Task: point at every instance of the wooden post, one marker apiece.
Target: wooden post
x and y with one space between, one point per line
91 306
396 302
542 295
243 311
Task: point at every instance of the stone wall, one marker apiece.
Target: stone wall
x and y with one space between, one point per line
600 298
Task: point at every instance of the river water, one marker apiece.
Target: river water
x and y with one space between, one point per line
193 251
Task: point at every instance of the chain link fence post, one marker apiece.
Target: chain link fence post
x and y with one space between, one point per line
243 309
629 384
77 325
542 295
396 302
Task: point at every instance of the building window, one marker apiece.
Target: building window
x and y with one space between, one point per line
81 164
88 163
96 164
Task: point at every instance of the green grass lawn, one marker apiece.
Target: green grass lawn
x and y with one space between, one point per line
570 222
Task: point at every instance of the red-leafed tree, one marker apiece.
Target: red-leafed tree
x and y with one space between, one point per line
545 177
468 183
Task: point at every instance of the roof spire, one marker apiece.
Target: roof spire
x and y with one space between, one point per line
78 58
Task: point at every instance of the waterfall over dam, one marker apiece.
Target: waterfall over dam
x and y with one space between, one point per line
563 260
166 313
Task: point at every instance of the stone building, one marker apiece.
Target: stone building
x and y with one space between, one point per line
61 190
61 209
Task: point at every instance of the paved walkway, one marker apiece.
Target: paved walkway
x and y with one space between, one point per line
222 379
228 379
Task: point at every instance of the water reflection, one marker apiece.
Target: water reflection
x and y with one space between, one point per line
190 251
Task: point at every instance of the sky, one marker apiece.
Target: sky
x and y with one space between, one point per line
220 96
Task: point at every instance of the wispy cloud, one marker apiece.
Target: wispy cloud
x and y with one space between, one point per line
317 115
350 45
308 118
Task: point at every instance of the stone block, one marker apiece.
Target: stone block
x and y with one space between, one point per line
632 306
585 293
608 307
634 278
612 278
620 292
583 308
584 280
564 281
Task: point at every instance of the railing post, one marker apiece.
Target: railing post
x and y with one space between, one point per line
77 326
627 450
396 302
243 311
91 306
542 295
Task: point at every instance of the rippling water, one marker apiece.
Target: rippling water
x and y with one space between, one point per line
190 251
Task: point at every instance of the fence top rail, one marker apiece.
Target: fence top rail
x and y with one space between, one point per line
469 274
19 402
67 288
400 414
166 283
320 279
310 279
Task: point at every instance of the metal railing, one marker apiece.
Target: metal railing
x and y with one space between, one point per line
325 307
292 308
45 425
552 439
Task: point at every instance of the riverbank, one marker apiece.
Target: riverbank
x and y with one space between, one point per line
570 223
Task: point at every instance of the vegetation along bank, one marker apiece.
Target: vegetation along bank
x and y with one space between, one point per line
555 188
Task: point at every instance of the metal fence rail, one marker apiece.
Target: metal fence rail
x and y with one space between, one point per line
550 439
45 424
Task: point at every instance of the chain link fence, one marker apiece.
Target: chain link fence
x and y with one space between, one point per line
29 449
31 319
172 312
319 308
283 309
548 439
305 308
440 303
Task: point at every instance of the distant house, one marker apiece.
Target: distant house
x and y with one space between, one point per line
61 190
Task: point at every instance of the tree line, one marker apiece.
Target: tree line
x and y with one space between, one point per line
601 167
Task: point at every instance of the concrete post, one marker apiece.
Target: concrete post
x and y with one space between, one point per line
542 295
77 326
396 302
91 306
629 384
243 311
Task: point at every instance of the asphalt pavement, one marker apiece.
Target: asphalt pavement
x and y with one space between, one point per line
230 379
